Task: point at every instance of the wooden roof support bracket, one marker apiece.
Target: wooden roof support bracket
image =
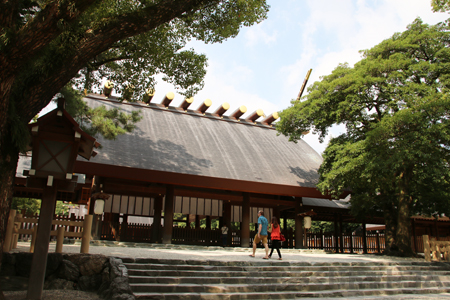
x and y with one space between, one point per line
271 118
239 112
255 115
185 104
167 99
205 105
222 109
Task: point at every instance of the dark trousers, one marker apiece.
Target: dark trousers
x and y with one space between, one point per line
276 244
224 239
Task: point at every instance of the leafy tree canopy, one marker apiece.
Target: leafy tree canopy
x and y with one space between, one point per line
395 106
46 44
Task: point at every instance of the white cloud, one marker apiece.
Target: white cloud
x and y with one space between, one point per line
299 35
258 34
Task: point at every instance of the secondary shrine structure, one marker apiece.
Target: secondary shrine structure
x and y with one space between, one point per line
202 164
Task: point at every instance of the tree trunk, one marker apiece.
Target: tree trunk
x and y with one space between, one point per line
8 165
404 223
390 231
403 220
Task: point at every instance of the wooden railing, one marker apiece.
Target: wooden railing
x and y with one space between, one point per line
190 236
20 225
352 243
437 250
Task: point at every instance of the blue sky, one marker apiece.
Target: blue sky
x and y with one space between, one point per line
265 65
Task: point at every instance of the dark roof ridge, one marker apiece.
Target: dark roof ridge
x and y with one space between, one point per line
174 109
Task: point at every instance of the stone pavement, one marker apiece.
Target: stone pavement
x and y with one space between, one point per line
186 252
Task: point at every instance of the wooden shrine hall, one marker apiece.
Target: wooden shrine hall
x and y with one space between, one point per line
201 164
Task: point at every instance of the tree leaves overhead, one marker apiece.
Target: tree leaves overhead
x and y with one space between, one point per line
395 106
99 121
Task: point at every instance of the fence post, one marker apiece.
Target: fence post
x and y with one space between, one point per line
351 242
86 236
60 239
33 238
426 247
17 226
9 231
378 243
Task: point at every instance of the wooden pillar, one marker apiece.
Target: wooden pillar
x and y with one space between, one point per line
364 237
245 226
341 234
39 262
351 243
277 214
284 220
336 234
7 246
168 215
413 226
378 243
298 224
227 220
124 229
97 221
208 222
197 222
156 227
227 213
436 228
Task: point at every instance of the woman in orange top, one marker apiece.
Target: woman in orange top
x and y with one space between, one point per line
275 235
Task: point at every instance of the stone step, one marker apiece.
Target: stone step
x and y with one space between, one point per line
270 287
338 293
160 279
283 280
271 274
272 262
262 268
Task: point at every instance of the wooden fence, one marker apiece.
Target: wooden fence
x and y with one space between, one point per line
437 249
352 243
24 227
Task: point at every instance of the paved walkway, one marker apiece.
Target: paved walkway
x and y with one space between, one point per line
184 252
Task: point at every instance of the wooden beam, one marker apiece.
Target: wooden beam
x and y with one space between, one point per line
198 181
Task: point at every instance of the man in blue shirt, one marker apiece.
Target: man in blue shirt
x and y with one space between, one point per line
261 235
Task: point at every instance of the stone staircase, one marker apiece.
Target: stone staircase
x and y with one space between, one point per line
179 279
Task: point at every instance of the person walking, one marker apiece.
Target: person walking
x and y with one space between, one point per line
261 236
275 235
224 235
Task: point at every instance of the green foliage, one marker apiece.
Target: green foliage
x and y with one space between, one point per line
33 206
440 5
30 205
44 45
109 123
62 209
138 59
394 104
327 227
